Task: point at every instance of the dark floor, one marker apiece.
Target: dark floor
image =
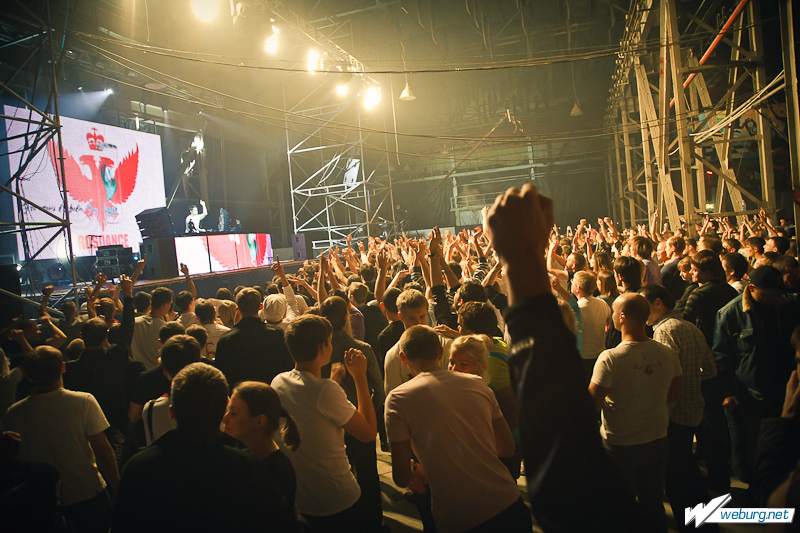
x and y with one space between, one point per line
402 516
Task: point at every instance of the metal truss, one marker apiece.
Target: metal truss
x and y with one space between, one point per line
42 128
675 148
340 181
339 174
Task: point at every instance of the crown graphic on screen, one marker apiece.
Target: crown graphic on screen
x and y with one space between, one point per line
95 140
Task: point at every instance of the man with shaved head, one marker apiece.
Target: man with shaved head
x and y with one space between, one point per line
632 384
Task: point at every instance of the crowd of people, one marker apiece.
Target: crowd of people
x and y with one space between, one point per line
592 360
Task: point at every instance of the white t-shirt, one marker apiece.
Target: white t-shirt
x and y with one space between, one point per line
448 418
145 346
639 375
54 427
595 315
156 415
325 484
215 331
188 319
396 372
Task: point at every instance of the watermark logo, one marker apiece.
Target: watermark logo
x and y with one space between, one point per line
714 512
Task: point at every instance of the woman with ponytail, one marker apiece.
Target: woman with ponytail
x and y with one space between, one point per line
253 417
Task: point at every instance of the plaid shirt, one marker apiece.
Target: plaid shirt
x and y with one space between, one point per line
697 363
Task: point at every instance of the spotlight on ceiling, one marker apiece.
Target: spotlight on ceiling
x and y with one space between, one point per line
205 10
271 44
80 88
313 61
372 97
407 95
198 143
109 90
576 110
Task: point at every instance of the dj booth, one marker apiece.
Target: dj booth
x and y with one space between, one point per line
204 252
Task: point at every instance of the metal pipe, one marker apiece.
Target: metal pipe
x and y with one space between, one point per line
715 42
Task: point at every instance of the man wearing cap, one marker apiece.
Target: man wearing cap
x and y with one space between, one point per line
754 360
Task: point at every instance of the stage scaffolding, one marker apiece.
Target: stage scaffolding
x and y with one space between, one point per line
675 147
339 170
42 51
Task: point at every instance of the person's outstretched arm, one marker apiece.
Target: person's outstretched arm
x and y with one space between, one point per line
558 422
189 282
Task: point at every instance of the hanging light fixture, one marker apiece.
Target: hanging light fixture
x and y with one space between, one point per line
407 95
576 108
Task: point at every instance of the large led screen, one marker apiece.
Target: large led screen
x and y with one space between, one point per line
112 174
206 253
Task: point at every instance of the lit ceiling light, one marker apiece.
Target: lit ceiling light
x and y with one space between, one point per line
109 90
313 61
341 89
271 44
205 10
372 97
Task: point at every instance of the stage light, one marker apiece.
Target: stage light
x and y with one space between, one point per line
313 61
109 90
271 44
80 88
198 143
341 89
372 97
205 10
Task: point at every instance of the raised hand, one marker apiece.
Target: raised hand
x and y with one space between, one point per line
184 269
436 240
355 362
127 285
277 267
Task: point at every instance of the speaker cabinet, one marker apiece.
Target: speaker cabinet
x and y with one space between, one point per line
155 223
10 307
301 244
162 262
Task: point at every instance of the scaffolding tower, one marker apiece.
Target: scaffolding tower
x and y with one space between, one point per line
36 131
676 148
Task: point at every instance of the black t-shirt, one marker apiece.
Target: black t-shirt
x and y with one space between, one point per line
278 467
181 484
388 338
150 385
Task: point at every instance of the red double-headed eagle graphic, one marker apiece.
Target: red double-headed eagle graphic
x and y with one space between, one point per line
108 185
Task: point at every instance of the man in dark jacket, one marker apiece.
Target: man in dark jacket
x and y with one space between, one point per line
105 370
713 294
755 360
362 456
252 350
